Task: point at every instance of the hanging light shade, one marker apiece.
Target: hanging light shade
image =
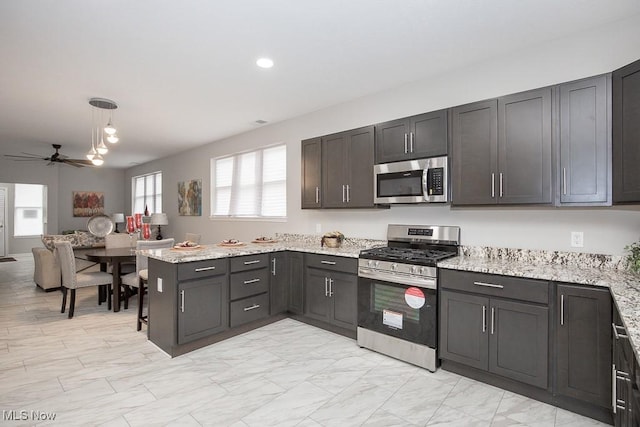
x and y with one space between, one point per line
109 129
102 147
113 138
98 147
92 153
98 160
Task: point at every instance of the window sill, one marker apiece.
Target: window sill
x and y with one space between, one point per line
246 218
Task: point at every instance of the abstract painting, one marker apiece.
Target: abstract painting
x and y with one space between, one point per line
190 198
88 203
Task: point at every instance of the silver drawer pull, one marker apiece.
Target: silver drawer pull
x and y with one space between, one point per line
204 269
182 301
248 282
328 262
251 262
617 334
253 307
488 285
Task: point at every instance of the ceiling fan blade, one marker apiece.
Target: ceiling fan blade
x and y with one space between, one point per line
30 156
77 162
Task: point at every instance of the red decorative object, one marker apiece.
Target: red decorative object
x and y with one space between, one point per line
138 217
131 227
146 231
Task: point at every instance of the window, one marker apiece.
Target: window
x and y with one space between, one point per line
251 184
29 203
147 192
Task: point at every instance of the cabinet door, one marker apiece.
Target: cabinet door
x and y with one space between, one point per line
316 289
428 137
626 133
583 342
524 147
463 329
359 173
344 297
278 282
334 181
392 141
296 282
519 341
311 173
584 141
474 146
202 308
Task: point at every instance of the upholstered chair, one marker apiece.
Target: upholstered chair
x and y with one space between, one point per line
139 278
72 280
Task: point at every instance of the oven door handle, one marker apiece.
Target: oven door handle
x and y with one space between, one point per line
402 279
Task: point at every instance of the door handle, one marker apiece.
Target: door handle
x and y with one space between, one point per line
484 319
564 180
273 267
348 193
501 185
317 195
344 197
326 287
488 285
411 142
493 185
618 335
405 144
253 307
197 270
328 262
248 282
330 287
493 318
182 301
561 310
255 261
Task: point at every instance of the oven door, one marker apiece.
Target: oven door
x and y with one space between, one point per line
403 311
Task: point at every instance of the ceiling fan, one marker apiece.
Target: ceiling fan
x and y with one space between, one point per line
54 158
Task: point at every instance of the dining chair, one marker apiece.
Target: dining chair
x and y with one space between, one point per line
72 280
140 277
192 237
118 240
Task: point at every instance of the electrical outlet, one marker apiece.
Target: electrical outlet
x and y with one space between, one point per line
159 284
577 239
318 228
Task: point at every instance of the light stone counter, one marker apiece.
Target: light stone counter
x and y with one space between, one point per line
567 267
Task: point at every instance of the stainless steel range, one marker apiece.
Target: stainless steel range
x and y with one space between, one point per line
397 292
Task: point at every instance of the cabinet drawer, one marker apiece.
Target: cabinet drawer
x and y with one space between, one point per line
197 269
495 285
249 309
331 262
249 283
249 262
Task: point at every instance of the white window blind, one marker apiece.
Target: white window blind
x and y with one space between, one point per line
29 202
147 191
251 184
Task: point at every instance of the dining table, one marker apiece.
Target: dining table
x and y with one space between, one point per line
115 257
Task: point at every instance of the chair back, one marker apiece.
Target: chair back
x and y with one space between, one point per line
193 237
142 262
118 240
64 255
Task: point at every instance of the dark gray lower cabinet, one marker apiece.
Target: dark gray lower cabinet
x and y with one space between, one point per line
278 282
202 308
331 297
296 283
626 378
583 342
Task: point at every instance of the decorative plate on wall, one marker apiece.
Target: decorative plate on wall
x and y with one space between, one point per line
100 225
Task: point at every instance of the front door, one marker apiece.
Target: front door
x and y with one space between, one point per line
3 216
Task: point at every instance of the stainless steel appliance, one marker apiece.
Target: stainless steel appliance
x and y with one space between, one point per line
397 292
411 181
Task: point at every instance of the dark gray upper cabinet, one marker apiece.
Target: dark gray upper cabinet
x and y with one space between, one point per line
583 343
415 137
347 169
584 174
626 134
311 173
502 150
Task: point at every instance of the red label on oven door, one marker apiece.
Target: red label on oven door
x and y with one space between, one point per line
414 297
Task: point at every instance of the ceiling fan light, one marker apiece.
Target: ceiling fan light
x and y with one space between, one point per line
113 138
109 129
97 160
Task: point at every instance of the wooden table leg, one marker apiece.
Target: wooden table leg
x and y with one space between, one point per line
115 271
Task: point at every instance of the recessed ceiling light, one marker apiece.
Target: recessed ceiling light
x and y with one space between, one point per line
264 62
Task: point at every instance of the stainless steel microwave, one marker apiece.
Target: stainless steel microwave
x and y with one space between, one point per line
411 181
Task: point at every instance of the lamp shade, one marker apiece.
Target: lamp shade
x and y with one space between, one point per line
117 217
159 219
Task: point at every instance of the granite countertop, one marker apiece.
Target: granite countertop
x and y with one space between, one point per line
586 269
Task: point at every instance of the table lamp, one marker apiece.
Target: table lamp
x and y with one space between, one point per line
159 219
118 218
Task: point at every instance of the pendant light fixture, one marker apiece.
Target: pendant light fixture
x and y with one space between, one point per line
98 147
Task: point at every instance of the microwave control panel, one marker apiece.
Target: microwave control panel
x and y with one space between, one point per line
435 182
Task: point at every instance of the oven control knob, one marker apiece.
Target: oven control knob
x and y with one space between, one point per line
422 270
414 269
377 264
394 266
370 263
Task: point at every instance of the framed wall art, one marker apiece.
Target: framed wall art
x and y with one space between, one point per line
88 203
190 198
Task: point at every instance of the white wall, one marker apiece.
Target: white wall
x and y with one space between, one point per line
606 230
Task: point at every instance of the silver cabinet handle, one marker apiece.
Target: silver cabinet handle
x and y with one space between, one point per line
204 269
255 261
182 301
561 310
273 267
484 319
330 287
614 392
411 142
326 286
248 282
618 335
317 194
328 262
493 318
488 285
405 144
501 185
344 197
348 193
253 307
493 185
564 180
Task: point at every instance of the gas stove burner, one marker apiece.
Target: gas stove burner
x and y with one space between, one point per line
427 257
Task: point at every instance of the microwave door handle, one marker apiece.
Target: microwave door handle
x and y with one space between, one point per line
425 183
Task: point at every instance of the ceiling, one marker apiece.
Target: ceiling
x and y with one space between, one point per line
183 73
